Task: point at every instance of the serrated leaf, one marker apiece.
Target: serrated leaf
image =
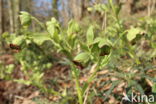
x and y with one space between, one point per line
82 57
114 84
90 35
132 33
137 86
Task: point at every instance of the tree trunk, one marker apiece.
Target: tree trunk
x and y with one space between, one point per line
16 14
11 15
75 7
127 9
64 13
1 17
55 8
26 5
84 5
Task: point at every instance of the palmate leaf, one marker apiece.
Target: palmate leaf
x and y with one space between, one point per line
135 84
150 78
114 84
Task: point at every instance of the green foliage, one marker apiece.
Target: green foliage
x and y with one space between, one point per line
6 71
132 33
126 53
82 57
90 35
53 29
25 18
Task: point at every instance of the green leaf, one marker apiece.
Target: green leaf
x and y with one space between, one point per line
137 86
9 68
52 25
73 27
154 88
98 7
90 35
103 42
54 29
84 47
104 61
5 35
8 37
132 33
97 40
82 57
25 18
18 40
40 39
95 49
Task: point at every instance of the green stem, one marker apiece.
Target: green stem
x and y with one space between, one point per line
78 88
79 92
112 6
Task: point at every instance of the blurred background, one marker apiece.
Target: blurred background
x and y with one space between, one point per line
39 62
64 10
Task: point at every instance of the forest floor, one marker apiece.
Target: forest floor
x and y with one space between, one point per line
58 77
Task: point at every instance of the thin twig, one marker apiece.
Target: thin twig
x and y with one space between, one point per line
149 9
153 6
